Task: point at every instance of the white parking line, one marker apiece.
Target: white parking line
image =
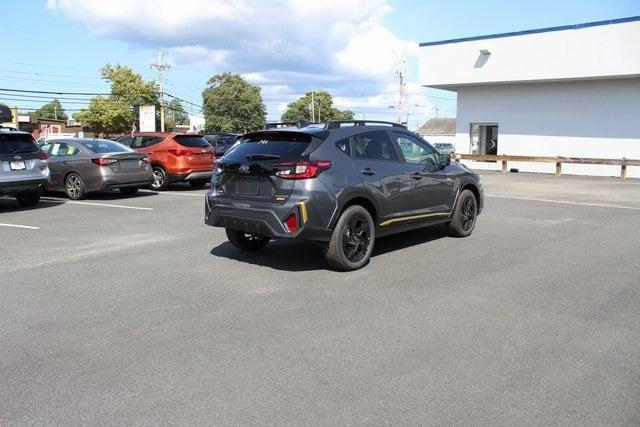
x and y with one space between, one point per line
106 205
20 226
174 193
565 202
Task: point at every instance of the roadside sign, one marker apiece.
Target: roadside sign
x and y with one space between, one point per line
147 118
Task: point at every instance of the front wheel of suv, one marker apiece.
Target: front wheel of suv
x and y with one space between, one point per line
464 216
28 197
352 240
246 241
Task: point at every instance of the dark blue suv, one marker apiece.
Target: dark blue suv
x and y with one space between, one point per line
341 184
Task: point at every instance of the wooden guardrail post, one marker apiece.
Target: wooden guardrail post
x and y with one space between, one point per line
504 165
558 166
623 168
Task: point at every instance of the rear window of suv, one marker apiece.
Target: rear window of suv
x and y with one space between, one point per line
191 141
288 146
17 144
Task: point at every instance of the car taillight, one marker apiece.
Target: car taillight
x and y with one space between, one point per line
291 223
101 161
302 170
179 151
43 155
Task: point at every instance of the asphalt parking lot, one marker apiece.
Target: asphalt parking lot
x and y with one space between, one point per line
130 310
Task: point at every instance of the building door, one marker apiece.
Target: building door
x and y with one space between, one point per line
484 138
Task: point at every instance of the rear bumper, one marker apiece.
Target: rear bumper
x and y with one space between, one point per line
39 184
110 185
191 176
265 220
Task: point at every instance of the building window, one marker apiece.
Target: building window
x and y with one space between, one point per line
484 138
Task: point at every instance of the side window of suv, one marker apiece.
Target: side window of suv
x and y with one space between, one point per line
373 146
414 150
127 140
152 140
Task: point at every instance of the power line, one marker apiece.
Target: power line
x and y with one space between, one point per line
54 93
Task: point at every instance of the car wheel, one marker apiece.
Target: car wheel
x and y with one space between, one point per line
198 183
129 191
160 181
28 197
247 241
464 216
74 186
352 240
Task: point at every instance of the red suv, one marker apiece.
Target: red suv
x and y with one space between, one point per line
174 158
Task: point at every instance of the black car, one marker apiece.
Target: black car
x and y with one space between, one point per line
221 141
342 185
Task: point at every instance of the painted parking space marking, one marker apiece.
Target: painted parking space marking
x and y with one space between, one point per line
106 205
29 227
565 202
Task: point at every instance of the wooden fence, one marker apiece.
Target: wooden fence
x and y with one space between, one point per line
623 163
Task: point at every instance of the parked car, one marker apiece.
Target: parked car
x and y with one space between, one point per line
24 172
52 137
80 166
221 142
174 158
342 185
445 148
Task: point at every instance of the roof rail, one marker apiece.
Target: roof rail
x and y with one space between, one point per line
335 124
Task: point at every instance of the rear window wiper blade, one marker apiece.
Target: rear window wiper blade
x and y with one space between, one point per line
262 157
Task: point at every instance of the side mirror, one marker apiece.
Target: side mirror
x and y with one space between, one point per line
444 160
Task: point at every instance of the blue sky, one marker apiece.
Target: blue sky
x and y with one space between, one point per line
286 46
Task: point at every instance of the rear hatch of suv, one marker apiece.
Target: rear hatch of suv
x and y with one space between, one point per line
20 157
197 150
263 166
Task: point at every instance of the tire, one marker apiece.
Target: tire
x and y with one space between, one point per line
352 240
247 242
198 183
160 180
129 191
74 187
464 216
28 197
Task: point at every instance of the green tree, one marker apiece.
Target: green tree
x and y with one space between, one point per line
323 109
108 115
231 104
129 86
117 112
51 110
175 114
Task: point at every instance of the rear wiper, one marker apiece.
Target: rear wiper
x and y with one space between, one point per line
262 157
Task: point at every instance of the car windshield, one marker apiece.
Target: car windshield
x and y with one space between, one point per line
191 141
105 146
17 143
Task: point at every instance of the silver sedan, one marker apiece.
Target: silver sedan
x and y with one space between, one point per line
80 166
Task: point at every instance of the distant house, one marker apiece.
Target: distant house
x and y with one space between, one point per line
439 130
563 91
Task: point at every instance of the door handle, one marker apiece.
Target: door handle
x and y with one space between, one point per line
64 163
416 175
367 171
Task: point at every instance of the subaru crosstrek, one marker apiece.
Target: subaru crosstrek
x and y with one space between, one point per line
341 184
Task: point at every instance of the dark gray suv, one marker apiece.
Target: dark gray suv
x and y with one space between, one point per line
341 184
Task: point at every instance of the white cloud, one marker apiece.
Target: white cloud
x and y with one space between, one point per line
286 46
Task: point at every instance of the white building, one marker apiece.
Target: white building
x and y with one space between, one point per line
568 91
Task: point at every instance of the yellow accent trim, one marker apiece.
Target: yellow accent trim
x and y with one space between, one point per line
303 210
408 218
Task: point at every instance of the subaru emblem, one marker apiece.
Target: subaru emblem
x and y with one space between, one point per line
244 168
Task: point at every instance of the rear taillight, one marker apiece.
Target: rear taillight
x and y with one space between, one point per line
302 170
101 161
179 151
43 155
291 223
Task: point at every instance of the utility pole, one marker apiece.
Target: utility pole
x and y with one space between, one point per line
437 109
161 66
55 112
401 73
313 108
